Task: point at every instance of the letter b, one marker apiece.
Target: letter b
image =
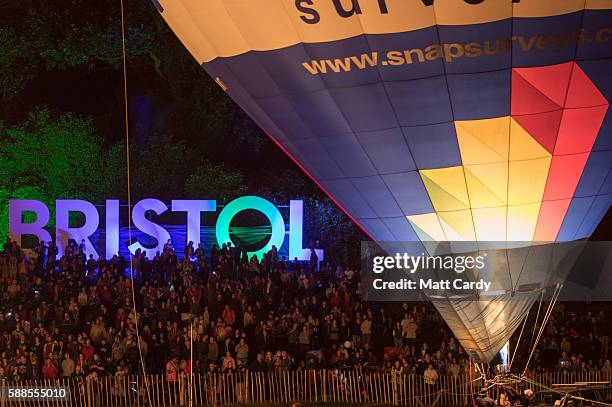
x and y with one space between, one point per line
16 226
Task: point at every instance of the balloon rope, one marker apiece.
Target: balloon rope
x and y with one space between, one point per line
518 342
535 324
551 306
544 322
129 193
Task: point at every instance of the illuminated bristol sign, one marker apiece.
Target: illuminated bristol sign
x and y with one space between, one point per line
193 208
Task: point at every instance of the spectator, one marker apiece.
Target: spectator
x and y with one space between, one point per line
98 331
49 370
228 364
213 350
172 370
430 375
267 314
229 317
242 351
68 365
258 364
88 350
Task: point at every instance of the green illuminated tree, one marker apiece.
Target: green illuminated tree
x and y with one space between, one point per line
49 158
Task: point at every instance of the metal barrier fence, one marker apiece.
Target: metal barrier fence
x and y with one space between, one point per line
349 387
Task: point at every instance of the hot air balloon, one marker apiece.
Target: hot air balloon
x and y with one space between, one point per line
430 120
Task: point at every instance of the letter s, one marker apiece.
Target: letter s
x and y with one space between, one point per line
480 264
313 15
139 217
395 58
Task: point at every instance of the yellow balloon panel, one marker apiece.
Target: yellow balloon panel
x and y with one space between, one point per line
494 134
527 180
453 12
598 4
522 221
260 30
187 31
475 151
543 8
446 188
490 224
444 226
427 226
487 184
523 146
458 225
505 223
497 193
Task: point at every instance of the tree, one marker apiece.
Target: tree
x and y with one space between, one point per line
40 35
49 158
215 181
160 167
13 52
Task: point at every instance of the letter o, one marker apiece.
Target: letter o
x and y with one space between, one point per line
259 204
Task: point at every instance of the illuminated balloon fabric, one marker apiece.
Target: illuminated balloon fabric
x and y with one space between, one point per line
428 119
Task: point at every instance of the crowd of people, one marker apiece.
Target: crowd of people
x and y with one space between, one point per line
75 316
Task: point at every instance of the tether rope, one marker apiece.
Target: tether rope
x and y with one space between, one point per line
518 342
549 311
129 194
535 324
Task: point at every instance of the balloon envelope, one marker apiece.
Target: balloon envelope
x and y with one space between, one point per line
430 120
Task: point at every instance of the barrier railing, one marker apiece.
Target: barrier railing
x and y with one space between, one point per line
350 387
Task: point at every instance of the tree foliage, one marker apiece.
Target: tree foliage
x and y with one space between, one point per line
159 168
49 158
13 53
214 181
41 35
